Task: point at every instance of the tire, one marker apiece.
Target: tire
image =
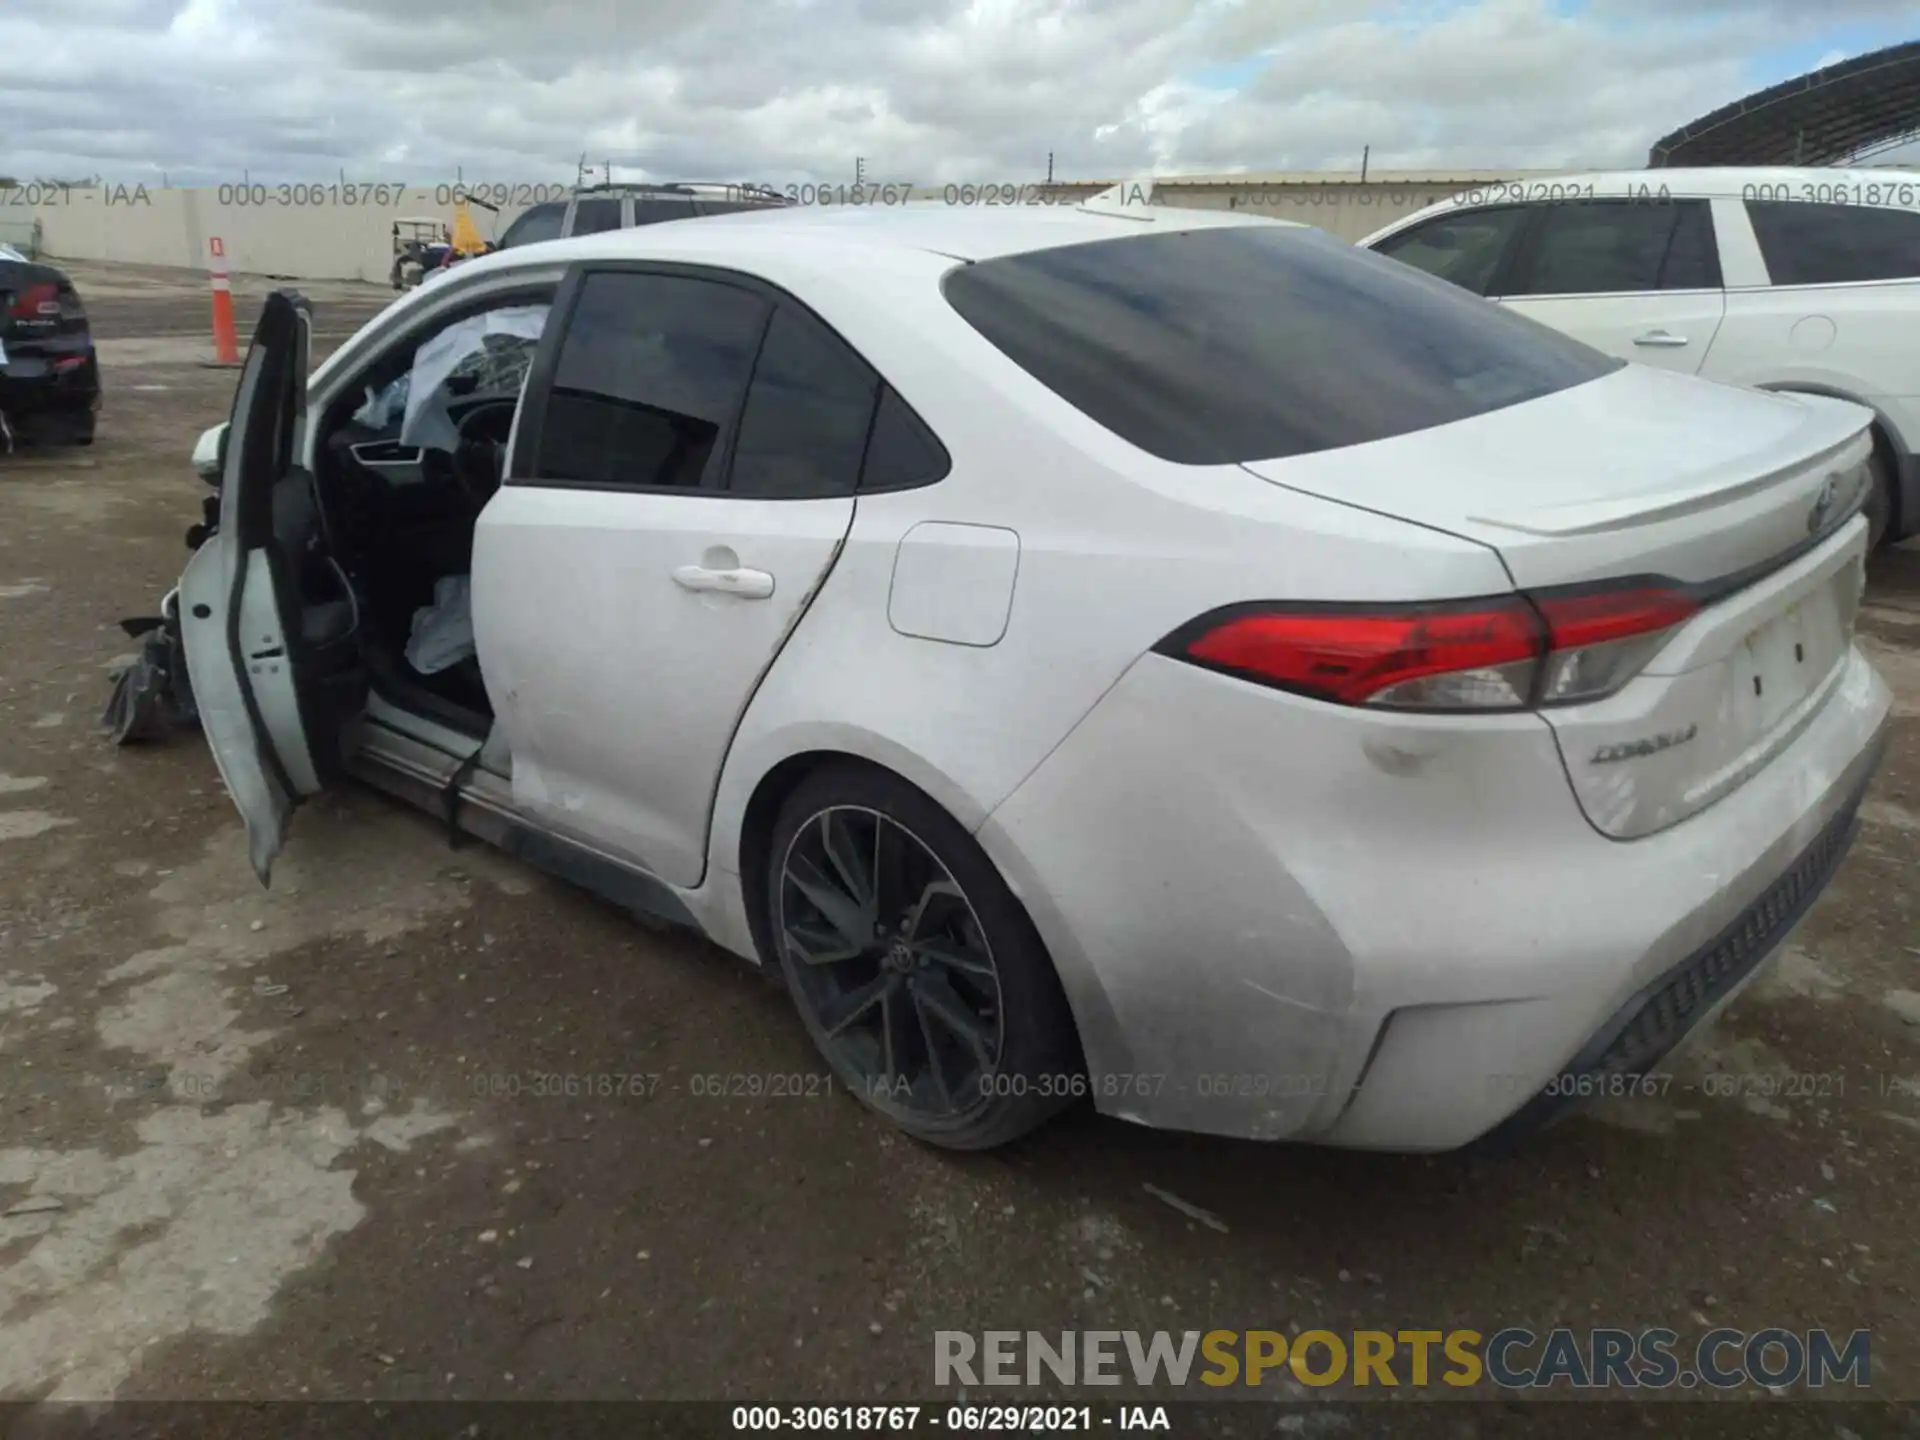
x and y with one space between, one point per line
984 1048
1879 504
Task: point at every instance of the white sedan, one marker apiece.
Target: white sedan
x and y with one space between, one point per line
1158 656
1778 278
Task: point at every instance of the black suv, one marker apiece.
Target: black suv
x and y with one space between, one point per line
593 208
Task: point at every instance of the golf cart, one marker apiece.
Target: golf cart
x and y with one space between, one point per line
420 244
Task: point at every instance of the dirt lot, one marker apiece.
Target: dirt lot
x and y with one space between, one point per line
295 1150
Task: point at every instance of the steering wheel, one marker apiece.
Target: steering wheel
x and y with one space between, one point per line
480 456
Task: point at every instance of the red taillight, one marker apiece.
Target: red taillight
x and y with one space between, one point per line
1595 617
1353 655
35 301
1551 647
1599 639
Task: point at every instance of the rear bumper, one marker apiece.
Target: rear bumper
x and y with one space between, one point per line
1661 1014
29 385
1283 920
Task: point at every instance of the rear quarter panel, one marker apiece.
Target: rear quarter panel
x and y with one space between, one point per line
1115 550
1855 341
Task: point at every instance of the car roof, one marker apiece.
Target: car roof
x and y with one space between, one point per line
1882 187
703 189
962 232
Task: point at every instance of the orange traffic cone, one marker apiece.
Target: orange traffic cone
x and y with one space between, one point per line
226 344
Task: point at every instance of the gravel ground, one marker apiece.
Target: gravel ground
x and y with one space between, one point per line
296 1153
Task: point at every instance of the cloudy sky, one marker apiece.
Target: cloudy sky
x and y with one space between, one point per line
200 91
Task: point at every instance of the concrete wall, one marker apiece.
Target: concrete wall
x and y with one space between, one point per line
310 234
328 240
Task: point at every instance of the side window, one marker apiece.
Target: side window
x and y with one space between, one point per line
590 217
1693 257
1465 248
804 429
652 212
542 222
902 452
1604 247
649 378
1811 244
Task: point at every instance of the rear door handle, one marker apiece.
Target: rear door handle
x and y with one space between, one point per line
747 584
1661 339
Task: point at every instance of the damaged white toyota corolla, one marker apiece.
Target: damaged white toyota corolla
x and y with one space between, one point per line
1157 656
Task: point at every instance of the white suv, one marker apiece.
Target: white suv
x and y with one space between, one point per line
1784 279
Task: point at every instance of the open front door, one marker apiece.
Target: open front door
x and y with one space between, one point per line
264 644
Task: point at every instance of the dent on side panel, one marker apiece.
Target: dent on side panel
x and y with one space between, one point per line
1238 885
1208 985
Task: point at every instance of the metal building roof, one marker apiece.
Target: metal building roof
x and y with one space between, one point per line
1825 116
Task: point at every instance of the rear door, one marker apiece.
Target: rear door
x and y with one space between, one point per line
682 480
276 734
1636 278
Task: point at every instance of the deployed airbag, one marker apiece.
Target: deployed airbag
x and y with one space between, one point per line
443 631
495 347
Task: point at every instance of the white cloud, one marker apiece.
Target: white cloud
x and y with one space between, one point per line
928 90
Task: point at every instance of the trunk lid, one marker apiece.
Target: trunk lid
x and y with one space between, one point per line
51 319
1643 471
1743 495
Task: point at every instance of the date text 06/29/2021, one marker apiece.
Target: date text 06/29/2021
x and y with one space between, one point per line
519 194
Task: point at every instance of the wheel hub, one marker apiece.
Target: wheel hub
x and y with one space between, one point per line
886 953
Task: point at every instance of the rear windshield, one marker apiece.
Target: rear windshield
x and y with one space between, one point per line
1217 346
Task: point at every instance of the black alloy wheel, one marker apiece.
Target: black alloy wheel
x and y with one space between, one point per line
916 972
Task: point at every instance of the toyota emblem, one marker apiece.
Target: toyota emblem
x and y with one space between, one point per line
1823 506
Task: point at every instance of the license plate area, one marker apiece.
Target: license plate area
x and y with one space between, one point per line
1779 662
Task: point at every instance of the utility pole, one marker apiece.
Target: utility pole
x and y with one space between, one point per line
1365 151
859 170
1049 167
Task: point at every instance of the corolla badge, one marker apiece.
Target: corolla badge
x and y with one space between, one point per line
1640 749
1823 506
